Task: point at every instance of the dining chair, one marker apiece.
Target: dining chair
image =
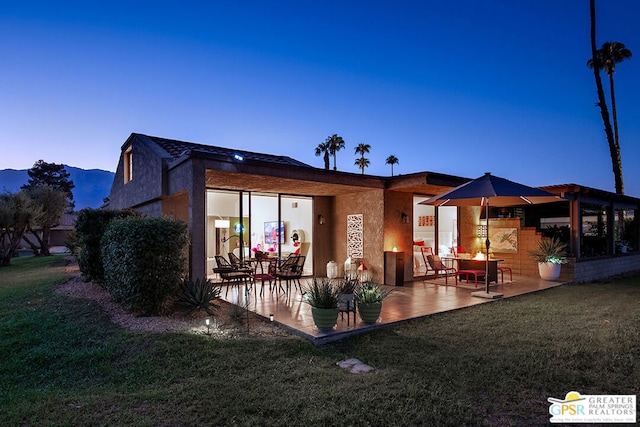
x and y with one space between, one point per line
237 264
291 270
265 270
229 274
437 266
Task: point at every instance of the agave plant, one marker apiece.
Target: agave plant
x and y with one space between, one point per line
549 250
198 295
370 292
322 293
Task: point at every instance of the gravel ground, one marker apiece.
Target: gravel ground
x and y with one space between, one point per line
224 324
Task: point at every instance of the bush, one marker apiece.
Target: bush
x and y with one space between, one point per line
89 229
144 261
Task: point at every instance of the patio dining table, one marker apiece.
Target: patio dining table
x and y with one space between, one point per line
478 264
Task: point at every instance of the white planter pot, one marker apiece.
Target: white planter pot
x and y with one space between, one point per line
549 270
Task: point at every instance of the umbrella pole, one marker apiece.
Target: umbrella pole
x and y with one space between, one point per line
487 243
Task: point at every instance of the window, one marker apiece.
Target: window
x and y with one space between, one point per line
128 165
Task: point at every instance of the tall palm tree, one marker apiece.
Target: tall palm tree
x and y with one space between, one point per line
610 54
391 160
334 143
362 163
614 148
323 148
362 149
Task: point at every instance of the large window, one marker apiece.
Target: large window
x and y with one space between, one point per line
594 230
269 222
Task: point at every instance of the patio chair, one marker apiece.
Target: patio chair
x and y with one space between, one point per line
229 274
437 266
291 271
265 270
502 270
237 264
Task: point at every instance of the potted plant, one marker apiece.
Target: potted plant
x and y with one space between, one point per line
323 297
369 297
550 254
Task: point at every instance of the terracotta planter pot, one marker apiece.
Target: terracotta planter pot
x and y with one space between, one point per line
324 318
549 270
369 312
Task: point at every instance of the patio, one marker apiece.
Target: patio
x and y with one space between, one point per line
412 301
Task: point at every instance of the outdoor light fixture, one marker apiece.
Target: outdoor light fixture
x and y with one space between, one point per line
271 317
321 219
482 231
206 322
404 218
238 157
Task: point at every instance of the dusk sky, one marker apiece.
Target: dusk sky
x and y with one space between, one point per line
458 87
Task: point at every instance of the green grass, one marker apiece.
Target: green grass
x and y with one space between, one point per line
63 363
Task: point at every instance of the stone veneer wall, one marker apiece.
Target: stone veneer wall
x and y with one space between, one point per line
586 270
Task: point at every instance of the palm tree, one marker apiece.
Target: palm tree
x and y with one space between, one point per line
334 144
594 63
323 147
362 163
391 160
362 149
610 54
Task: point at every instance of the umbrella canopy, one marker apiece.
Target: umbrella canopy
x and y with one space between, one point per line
489 189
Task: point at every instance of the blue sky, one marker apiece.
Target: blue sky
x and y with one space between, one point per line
463 88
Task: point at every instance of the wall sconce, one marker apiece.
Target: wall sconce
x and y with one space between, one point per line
404 218
482 231
321 219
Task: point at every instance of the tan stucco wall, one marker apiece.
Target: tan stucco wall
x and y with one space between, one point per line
323 241
369 203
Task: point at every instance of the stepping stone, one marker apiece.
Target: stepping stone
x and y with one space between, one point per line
354 366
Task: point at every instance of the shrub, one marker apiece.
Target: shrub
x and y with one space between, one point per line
198 294
370 292
144 261
322 293
89 229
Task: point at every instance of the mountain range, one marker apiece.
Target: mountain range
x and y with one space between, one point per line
91 186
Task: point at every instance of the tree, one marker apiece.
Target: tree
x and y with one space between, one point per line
362 149
610 54
614 149
51 174
334 144
391 160
52 202
362 163
17 213
323 148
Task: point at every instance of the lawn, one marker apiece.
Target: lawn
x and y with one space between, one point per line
63 363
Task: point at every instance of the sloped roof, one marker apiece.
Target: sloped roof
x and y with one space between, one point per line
177 149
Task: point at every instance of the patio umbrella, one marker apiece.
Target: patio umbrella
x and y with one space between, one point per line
489 189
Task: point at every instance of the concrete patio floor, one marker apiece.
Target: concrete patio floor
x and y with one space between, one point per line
412 301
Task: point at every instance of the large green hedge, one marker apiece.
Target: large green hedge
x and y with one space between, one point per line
89 229
144 261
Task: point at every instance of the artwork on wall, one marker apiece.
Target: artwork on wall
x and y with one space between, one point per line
355 248
426 220
504 240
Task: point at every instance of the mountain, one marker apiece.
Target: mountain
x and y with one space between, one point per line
92 185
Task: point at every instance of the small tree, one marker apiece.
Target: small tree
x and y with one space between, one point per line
17 213
362 163
334 144
52 203
323 149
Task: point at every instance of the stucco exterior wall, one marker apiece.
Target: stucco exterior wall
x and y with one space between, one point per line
323 241
397 233
369 203
146 182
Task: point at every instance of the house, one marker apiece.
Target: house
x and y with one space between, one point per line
239 201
